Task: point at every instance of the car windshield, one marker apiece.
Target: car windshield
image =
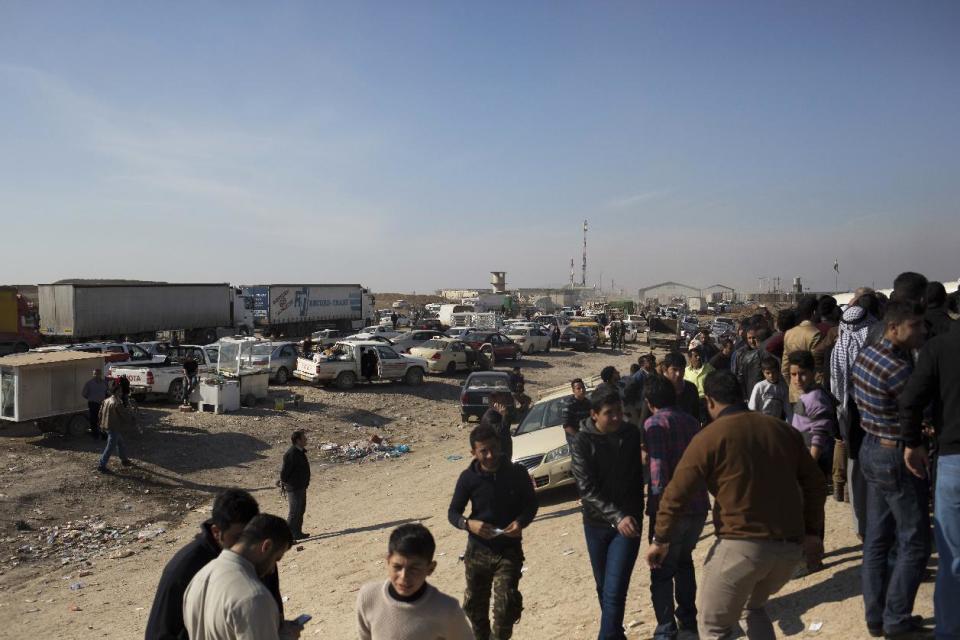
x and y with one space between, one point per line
543 415
488 380
262 349
439 345
475 337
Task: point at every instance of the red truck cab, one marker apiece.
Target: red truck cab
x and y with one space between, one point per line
19 325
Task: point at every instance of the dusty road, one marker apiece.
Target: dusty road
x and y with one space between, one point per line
94 576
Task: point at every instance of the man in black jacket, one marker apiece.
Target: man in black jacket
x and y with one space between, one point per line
576 409
936 379
294 480
232 510
609 474
502 504
497 417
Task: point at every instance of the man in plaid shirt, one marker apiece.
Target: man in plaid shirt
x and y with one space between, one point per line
667 432
897 501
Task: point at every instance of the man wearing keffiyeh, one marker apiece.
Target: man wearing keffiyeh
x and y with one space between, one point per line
854 326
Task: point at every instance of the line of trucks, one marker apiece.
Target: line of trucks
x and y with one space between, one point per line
191 313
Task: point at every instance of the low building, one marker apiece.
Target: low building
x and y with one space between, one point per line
459 294
667 292
719 293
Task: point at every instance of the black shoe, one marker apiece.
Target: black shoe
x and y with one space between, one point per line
104 470
915 626
126 463
301 535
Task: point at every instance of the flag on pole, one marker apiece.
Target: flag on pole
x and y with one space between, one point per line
836 266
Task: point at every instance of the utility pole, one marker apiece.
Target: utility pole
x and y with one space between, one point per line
583 274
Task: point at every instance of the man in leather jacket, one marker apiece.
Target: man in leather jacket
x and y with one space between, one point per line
609 474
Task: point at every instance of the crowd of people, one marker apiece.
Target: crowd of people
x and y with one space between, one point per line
864 398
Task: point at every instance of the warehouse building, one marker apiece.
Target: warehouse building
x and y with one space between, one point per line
719 293
667 292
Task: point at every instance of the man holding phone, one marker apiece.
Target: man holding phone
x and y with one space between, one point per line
503 503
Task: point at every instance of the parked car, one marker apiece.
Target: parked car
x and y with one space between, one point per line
380 330
629 331
689 326
458 332
447 355
578 339
326 337
166 378
493 343
589 323
282 357
405 341
475 397
343 365
722 326
155 347
540 443
429 323
530 338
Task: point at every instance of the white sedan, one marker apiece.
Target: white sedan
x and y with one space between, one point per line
529 339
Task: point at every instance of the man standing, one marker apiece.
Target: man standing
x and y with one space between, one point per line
114 418
609 382
749 365
936 379
232 510
502 504
674 366
576 410
294 480
765 520
721 361
609 473
190 368
95 392
227 600
803 337
898 524
697 369
668 432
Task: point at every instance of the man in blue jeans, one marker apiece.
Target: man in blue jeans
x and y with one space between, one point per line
114 419
898 521
936 379
667 432
609 473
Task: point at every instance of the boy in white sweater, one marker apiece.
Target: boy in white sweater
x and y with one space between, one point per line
405 607
771 395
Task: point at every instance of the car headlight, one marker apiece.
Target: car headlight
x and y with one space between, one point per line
557 454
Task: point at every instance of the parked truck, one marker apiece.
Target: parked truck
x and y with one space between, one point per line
18 322
198 313
300 309
166 378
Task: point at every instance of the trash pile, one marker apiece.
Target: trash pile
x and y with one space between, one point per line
80 540
374 448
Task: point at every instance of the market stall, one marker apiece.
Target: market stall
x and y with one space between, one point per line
238 362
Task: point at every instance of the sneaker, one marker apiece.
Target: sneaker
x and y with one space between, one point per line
838 493
104 470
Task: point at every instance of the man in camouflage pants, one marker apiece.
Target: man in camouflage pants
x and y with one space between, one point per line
503 503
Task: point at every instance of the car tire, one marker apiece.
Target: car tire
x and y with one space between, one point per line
21 347
452 367
345 380
77 425
283 376
413 376
175 392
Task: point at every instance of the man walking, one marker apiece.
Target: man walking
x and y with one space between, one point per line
749 364
668 432
497 417
294 480
936 379
765 520
232 510
95 392
609 473
227 600
897 541
115 419
502 504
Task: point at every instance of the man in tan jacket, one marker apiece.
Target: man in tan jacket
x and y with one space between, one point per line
803 337
115 418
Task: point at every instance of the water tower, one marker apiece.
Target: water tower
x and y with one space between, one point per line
499 281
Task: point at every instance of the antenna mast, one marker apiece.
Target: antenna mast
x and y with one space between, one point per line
583 273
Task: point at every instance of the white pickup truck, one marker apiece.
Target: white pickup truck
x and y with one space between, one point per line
346 362
166 378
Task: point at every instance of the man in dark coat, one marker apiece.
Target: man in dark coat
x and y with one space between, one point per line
294 480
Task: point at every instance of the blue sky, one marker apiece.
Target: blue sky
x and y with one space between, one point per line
417 145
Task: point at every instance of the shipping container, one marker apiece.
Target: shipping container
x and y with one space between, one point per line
298 309
78 311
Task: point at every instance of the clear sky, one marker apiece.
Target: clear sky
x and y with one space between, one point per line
417 145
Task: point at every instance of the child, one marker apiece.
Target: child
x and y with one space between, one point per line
769 396
405 607
814 414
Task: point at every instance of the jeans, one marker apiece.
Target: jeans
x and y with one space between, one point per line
676 578
898 523
612 557
946 527
297 502
114 439
857 488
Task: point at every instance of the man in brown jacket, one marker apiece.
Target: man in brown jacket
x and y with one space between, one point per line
803 337
115 419
768 509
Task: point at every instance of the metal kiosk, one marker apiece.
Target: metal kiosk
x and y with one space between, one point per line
46 388
237 361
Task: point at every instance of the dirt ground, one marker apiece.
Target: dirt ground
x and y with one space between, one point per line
81 553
